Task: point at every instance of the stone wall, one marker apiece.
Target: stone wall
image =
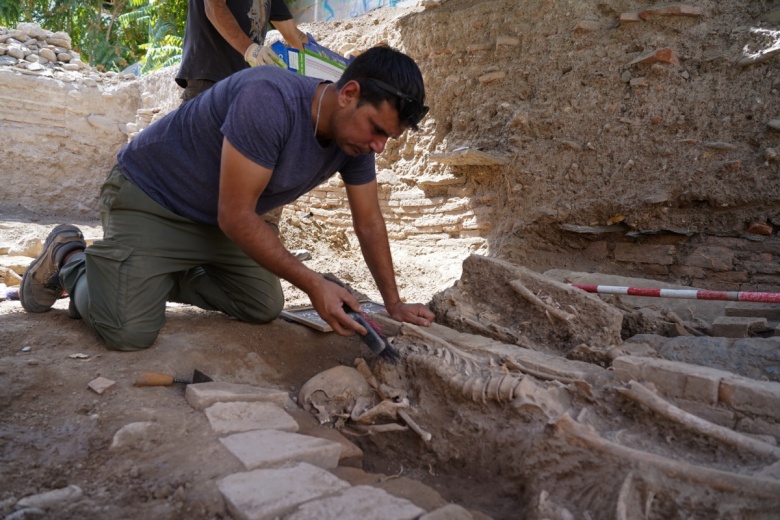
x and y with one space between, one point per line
551 142
61 124
704 261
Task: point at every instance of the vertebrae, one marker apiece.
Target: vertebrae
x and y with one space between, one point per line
464 376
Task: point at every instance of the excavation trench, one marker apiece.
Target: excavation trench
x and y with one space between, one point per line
552 427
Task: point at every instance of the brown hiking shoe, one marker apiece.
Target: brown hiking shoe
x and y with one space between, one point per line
41 285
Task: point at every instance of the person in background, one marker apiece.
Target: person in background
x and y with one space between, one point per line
224 36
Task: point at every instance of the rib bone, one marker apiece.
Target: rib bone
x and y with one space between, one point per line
581 435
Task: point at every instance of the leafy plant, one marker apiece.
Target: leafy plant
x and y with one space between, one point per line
163 23
109 34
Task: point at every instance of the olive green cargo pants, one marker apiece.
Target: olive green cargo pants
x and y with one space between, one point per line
148 256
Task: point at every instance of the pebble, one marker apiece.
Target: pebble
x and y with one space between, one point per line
53 498
100 385
28 513
48 54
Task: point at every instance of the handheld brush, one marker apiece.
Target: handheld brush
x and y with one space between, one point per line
374 339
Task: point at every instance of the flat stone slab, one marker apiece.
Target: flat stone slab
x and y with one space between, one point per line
756 358
242 416
770 311
469 157
270 448
202 395
448 512
736 326
358 503
264 494
672 378
99 385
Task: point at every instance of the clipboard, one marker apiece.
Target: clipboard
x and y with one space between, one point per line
309 317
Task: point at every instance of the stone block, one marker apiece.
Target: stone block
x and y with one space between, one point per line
727 280
203 395
627 368
596 251
762 267
770 311
448 512
645 254
358 503
672 378
701 385
737 326
271 448
711 257
351 454
669 382
748 395
692 271
415 491
244 416
265 494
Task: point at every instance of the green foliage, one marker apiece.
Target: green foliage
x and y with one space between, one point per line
109 34
10 10
163 23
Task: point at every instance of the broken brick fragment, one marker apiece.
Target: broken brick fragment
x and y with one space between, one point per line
586 26
760 228
732 166
629 18
665 55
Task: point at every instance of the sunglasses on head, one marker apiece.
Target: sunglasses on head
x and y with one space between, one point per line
410 110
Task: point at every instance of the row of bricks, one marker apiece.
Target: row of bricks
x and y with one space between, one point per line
703 384
287 473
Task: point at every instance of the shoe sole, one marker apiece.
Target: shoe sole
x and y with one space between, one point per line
27 299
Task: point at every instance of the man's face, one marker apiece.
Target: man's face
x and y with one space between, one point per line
364 129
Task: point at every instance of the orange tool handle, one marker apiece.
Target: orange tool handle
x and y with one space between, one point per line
153 379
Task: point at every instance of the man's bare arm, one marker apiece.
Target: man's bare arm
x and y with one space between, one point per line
371 231
225 23
291 34
240 185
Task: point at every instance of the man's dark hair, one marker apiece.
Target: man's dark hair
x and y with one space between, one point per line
387 74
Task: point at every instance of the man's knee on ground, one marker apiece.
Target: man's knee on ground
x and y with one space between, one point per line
126 339
268 310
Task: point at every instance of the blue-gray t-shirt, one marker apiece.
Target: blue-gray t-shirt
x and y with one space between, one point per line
265 113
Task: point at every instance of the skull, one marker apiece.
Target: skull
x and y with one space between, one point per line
334 392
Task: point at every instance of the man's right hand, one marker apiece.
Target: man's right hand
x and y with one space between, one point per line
256 55
329 300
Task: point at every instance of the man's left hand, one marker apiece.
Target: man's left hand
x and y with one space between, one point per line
416 313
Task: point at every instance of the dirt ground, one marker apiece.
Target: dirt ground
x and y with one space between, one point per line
593 140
